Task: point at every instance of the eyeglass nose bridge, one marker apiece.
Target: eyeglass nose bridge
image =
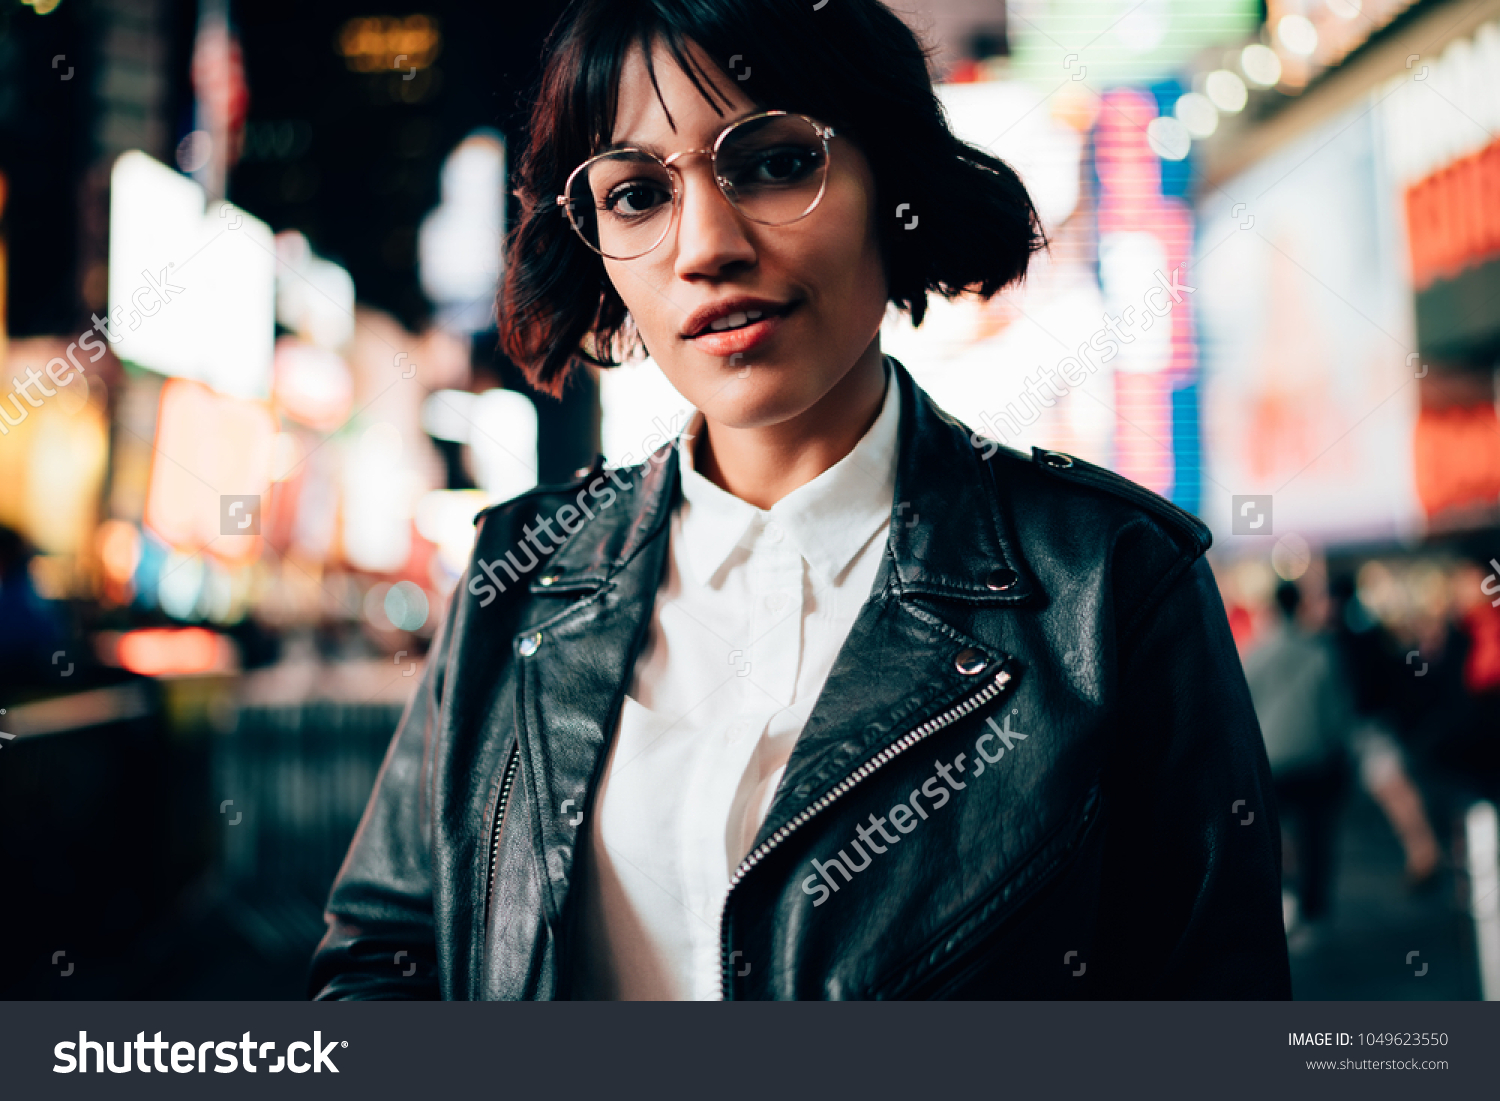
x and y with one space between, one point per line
726 190
677 156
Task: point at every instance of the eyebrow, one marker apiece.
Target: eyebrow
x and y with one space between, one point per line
657 150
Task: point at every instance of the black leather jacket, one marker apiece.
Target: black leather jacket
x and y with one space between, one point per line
1043 675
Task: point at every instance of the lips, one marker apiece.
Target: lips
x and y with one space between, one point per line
736 320
737 344
731 313
736 325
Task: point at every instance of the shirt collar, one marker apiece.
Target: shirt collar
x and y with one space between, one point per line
827 521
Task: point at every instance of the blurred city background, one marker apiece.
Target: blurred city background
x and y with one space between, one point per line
250 400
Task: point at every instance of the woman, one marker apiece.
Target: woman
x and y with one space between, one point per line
826 699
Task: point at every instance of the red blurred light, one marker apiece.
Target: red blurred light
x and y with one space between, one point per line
168 651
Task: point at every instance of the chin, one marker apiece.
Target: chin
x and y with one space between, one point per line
756 402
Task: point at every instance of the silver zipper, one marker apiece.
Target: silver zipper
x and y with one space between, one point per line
895 749
506 782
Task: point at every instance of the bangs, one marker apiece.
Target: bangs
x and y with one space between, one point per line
774 50
600 80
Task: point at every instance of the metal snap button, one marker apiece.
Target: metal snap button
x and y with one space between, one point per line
547 579
1057 459
970 661
582 472
1001 579
530 644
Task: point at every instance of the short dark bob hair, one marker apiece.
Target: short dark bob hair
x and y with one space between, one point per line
851 64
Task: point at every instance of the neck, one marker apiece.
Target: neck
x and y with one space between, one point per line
762 465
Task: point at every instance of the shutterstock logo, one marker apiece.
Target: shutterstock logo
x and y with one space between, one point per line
188 1057
239 514
1250 513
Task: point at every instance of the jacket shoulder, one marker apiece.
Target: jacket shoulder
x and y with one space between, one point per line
1055 472
1075 520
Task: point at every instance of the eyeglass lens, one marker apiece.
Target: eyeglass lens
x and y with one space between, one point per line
772 169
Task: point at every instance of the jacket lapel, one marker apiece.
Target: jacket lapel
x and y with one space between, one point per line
900 664
587 621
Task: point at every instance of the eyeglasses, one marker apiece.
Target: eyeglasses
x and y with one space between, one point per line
772 167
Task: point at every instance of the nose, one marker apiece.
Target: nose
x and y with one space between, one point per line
711 237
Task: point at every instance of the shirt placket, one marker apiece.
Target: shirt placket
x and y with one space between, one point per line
775 575
772 576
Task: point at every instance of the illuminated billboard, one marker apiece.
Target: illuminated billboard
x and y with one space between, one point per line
211 468
1310 372
192 290
1109 42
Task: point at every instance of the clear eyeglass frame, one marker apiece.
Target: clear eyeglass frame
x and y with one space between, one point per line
825 133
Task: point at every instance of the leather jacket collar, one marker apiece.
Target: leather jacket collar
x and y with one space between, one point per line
935 557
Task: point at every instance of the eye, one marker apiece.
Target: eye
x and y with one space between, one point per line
634 198
785 164
771 165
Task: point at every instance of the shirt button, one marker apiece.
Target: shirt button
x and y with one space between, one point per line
737 731
777 601
774 534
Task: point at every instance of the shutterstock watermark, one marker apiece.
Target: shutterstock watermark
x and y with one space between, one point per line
541 540
192 1057
63 371
1250 513
1049 383
1490 586
239 514
907 816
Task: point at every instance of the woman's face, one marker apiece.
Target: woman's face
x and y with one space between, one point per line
823 274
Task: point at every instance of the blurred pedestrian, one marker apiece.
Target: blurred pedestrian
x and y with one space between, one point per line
1447 699
1366 653
1477 615
1305 712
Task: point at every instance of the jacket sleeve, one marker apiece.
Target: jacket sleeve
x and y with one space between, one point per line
380 942
1191 896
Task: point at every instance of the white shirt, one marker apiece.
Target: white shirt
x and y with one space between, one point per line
748 619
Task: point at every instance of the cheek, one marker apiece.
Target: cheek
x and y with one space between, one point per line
848 251
859 236
644 290
627 288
